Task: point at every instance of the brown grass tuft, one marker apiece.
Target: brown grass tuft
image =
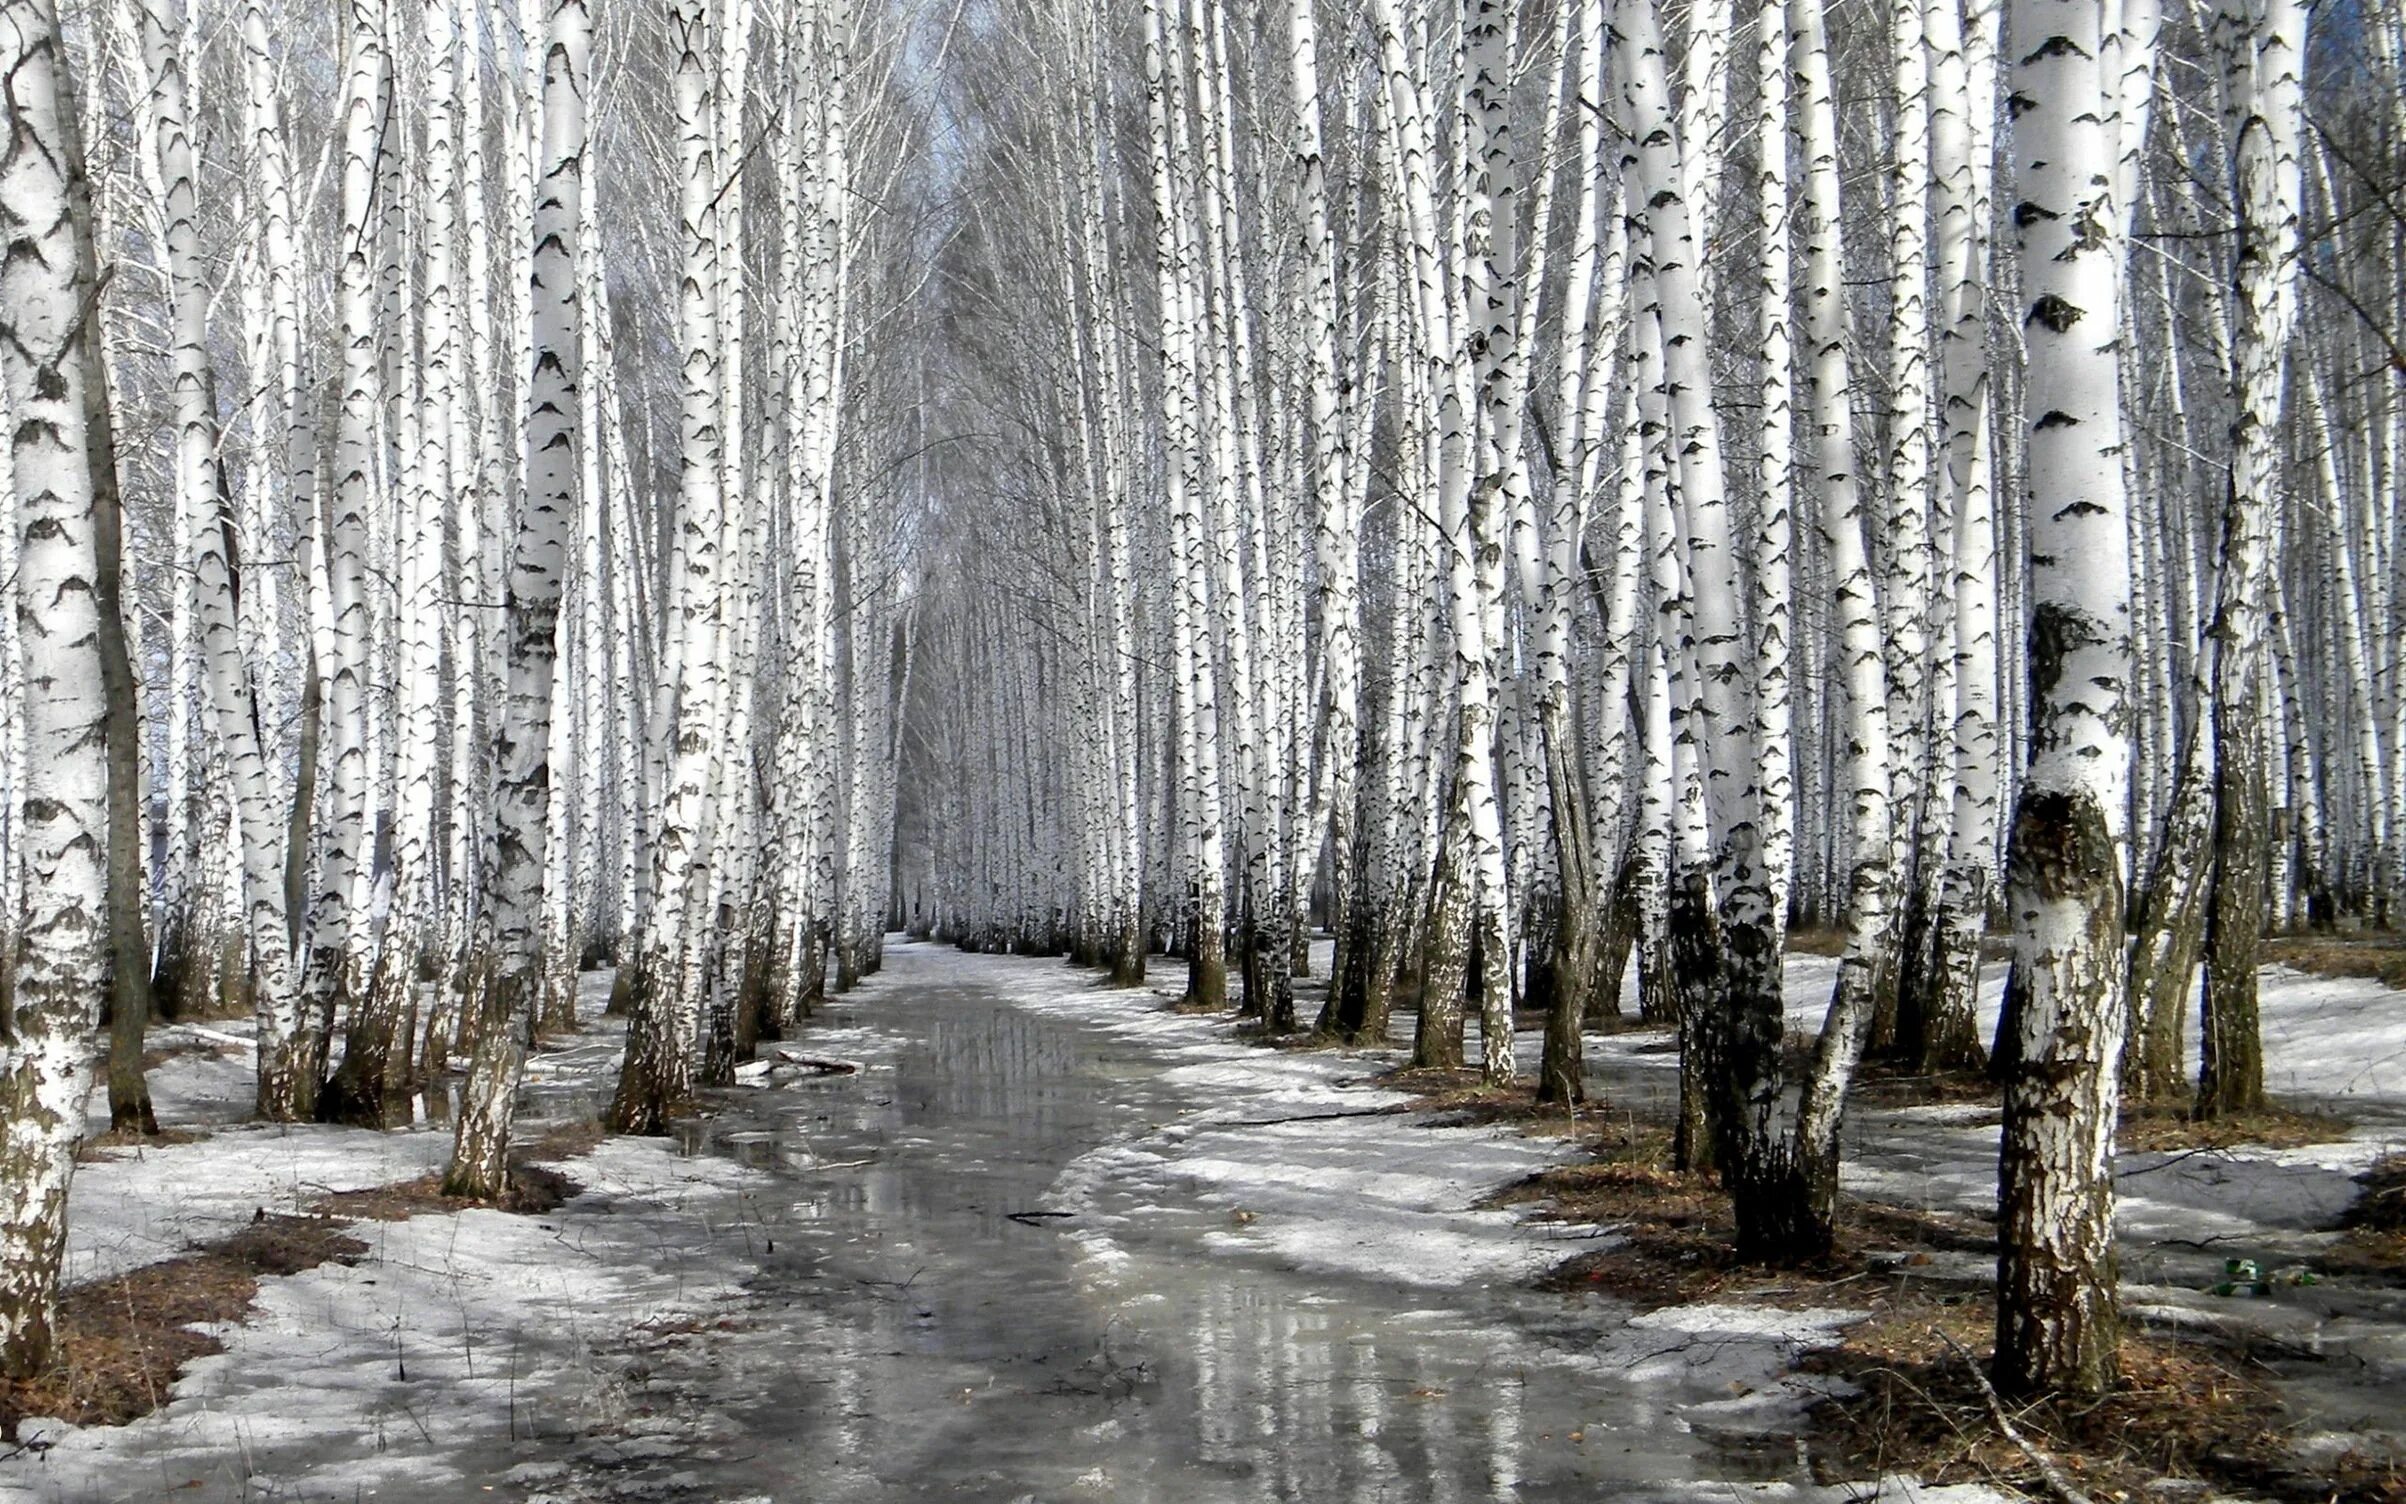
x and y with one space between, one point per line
102 1147
2179 1413
2373 1241
1677 1241
2381 957
533 1190
2383 1207
1461 1098
1676 1235
2150 1129
567 1139
122 1341
1818 940
1880 1084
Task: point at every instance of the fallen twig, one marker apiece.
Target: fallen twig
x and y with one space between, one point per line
2180 1157
824 1067
2057 1481
1307 1117
217 1037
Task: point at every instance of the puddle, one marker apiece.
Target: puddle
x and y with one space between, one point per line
927 1321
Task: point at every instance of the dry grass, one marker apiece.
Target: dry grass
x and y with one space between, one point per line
2180 1413
121 1342
2383 1207
1818 940
2183 1411
1312 1041
176 1048
1429 1083
1631 1022
1461 1098
567 1139
2368 1252
533 1190
2150 1129
1677 1240
2381 957
1880 1084
2146 1127
1677 1236
102 1147
1300 1041
2373 1240
1830 940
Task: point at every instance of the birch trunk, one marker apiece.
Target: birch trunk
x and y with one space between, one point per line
1476 530
338 919
656 1078
2264 44
1195 688
1963 47
522 754
1908 604
50 362
1581 843
1336 521
2056 1315
209 545
1722 916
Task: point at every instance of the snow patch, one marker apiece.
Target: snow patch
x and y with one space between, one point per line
472 1328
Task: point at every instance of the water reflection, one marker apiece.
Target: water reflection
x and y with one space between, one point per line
914 1339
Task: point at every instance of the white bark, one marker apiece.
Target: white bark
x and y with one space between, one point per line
2065 877
260 820
49 362
547 517
657 1078
338 913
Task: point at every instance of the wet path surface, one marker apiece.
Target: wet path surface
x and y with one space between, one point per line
1052 1242
930 1318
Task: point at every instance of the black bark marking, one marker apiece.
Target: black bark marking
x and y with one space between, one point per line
2054 312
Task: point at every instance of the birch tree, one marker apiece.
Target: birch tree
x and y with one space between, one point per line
523 755
50 364
656 1078
338 932
2264 60
2056 1315
260 822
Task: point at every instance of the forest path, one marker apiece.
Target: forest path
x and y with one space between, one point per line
1029 1253
1058 1242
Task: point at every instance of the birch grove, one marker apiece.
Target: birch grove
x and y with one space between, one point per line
1570 503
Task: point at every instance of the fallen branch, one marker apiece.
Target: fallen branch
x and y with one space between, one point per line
2057 1480
823 1066
1308 1117
217 1037
2181 1157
